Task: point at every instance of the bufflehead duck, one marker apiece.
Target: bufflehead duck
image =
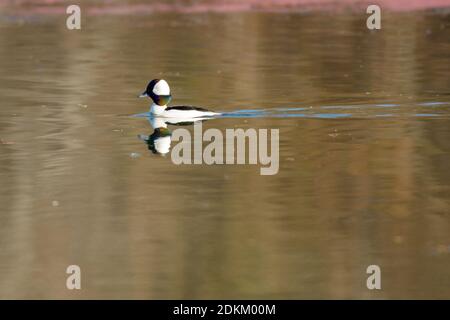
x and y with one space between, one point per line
159 91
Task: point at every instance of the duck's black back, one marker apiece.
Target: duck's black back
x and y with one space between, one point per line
186 108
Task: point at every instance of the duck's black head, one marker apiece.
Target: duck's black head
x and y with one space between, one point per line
159 91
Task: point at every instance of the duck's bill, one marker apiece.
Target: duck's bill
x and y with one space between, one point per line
143 95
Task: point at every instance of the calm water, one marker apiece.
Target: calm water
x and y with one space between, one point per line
364 120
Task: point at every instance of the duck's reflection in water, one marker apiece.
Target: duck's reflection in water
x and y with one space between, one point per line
159 141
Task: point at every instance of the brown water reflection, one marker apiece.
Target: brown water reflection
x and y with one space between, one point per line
350 192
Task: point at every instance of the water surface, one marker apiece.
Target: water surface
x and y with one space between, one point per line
364 120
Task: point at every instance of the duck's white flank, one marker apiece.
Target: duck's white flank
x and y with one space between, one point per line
161 111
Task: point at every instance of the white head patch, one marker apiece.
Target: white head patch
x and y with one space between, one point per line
162 145
161 88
